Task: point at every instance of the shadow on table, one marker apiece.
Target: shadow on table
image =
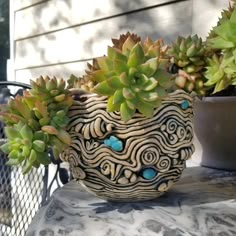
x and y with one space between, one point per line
197 186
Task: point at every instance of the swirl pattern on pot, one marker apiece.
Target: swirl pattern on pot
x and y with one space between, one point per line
136 160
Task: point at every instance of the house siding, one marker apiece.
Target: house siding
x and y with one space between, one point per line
59 37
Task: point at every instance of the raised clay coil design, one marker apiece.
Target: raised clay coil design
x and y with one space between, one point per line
136 160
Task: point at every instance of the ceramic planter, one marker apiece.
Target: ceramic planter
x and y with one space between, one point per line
215 128
137 160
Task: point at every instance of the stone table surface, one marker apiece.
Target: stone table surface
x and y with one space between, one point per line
202 203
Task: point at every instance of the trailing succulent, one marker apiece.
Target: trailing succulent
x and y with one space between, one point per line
133 75
35 123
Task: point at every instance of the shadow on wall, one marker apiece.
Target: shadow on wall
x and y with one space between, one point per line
89 39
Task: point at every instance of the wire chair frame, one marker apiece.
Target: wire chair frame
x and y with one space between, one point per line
22 195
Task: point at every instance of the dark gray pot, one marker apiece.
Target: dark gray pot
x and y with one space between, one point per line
215 128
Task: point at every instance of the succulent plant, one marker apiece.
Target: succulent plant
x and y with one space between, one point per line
224 33
35 123
133 75
225 15
221 67
187 53
83 83
220 72
187 58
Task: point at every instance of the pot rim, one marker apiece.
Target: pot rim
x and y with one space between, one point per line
219 99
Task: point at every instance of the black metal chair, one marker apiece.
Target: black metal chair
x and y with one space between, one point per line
22 195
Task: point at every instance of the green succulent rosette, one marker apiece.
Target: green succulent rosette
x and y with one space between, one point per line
35 123
188 55
221 72
225 34
225 16
221 67
133 75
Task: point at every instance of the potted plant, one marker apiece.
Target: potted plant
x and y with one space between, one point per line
125 127
35 123
213 76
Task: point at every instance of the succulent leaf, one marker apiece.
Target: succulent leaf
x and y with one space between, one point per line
105 63
126 112
128 93
114 82
120 66
32 157
111 105
128 45
26 132
13 162
114 53
132 67
49 129
5 147
149 67
43 158
219 42
118 97
145 108
133 60
13 154
39 145
103 88
124 79
11 132
64 136
150 85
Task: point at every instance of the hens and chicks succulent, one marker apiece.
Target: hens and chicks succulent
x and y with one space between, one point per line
135 75
208 67
36 122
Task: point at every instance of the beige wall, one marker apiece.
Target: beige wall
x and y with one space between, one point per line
58 37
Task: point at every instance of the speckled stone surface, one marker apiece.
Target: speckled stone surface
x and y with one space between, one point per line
202 203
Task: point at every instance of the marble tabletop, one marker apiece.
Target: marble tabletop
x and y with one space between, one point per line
202 203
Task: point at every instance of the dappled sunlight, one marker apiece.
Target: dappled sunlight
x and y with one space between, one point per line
91 40
73 31
60 71
208 18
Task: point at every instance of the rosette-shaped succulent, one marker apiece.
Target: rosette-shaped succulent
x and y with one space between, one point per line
225 33
225 16
187 56
187 53
221 68
84 83
23 143
35 123
133 75
118 43
221 72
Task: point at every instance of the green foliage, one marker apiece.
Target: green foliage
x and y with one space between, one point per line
133 75
188 54
221 72
35 123
210 66
221 67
